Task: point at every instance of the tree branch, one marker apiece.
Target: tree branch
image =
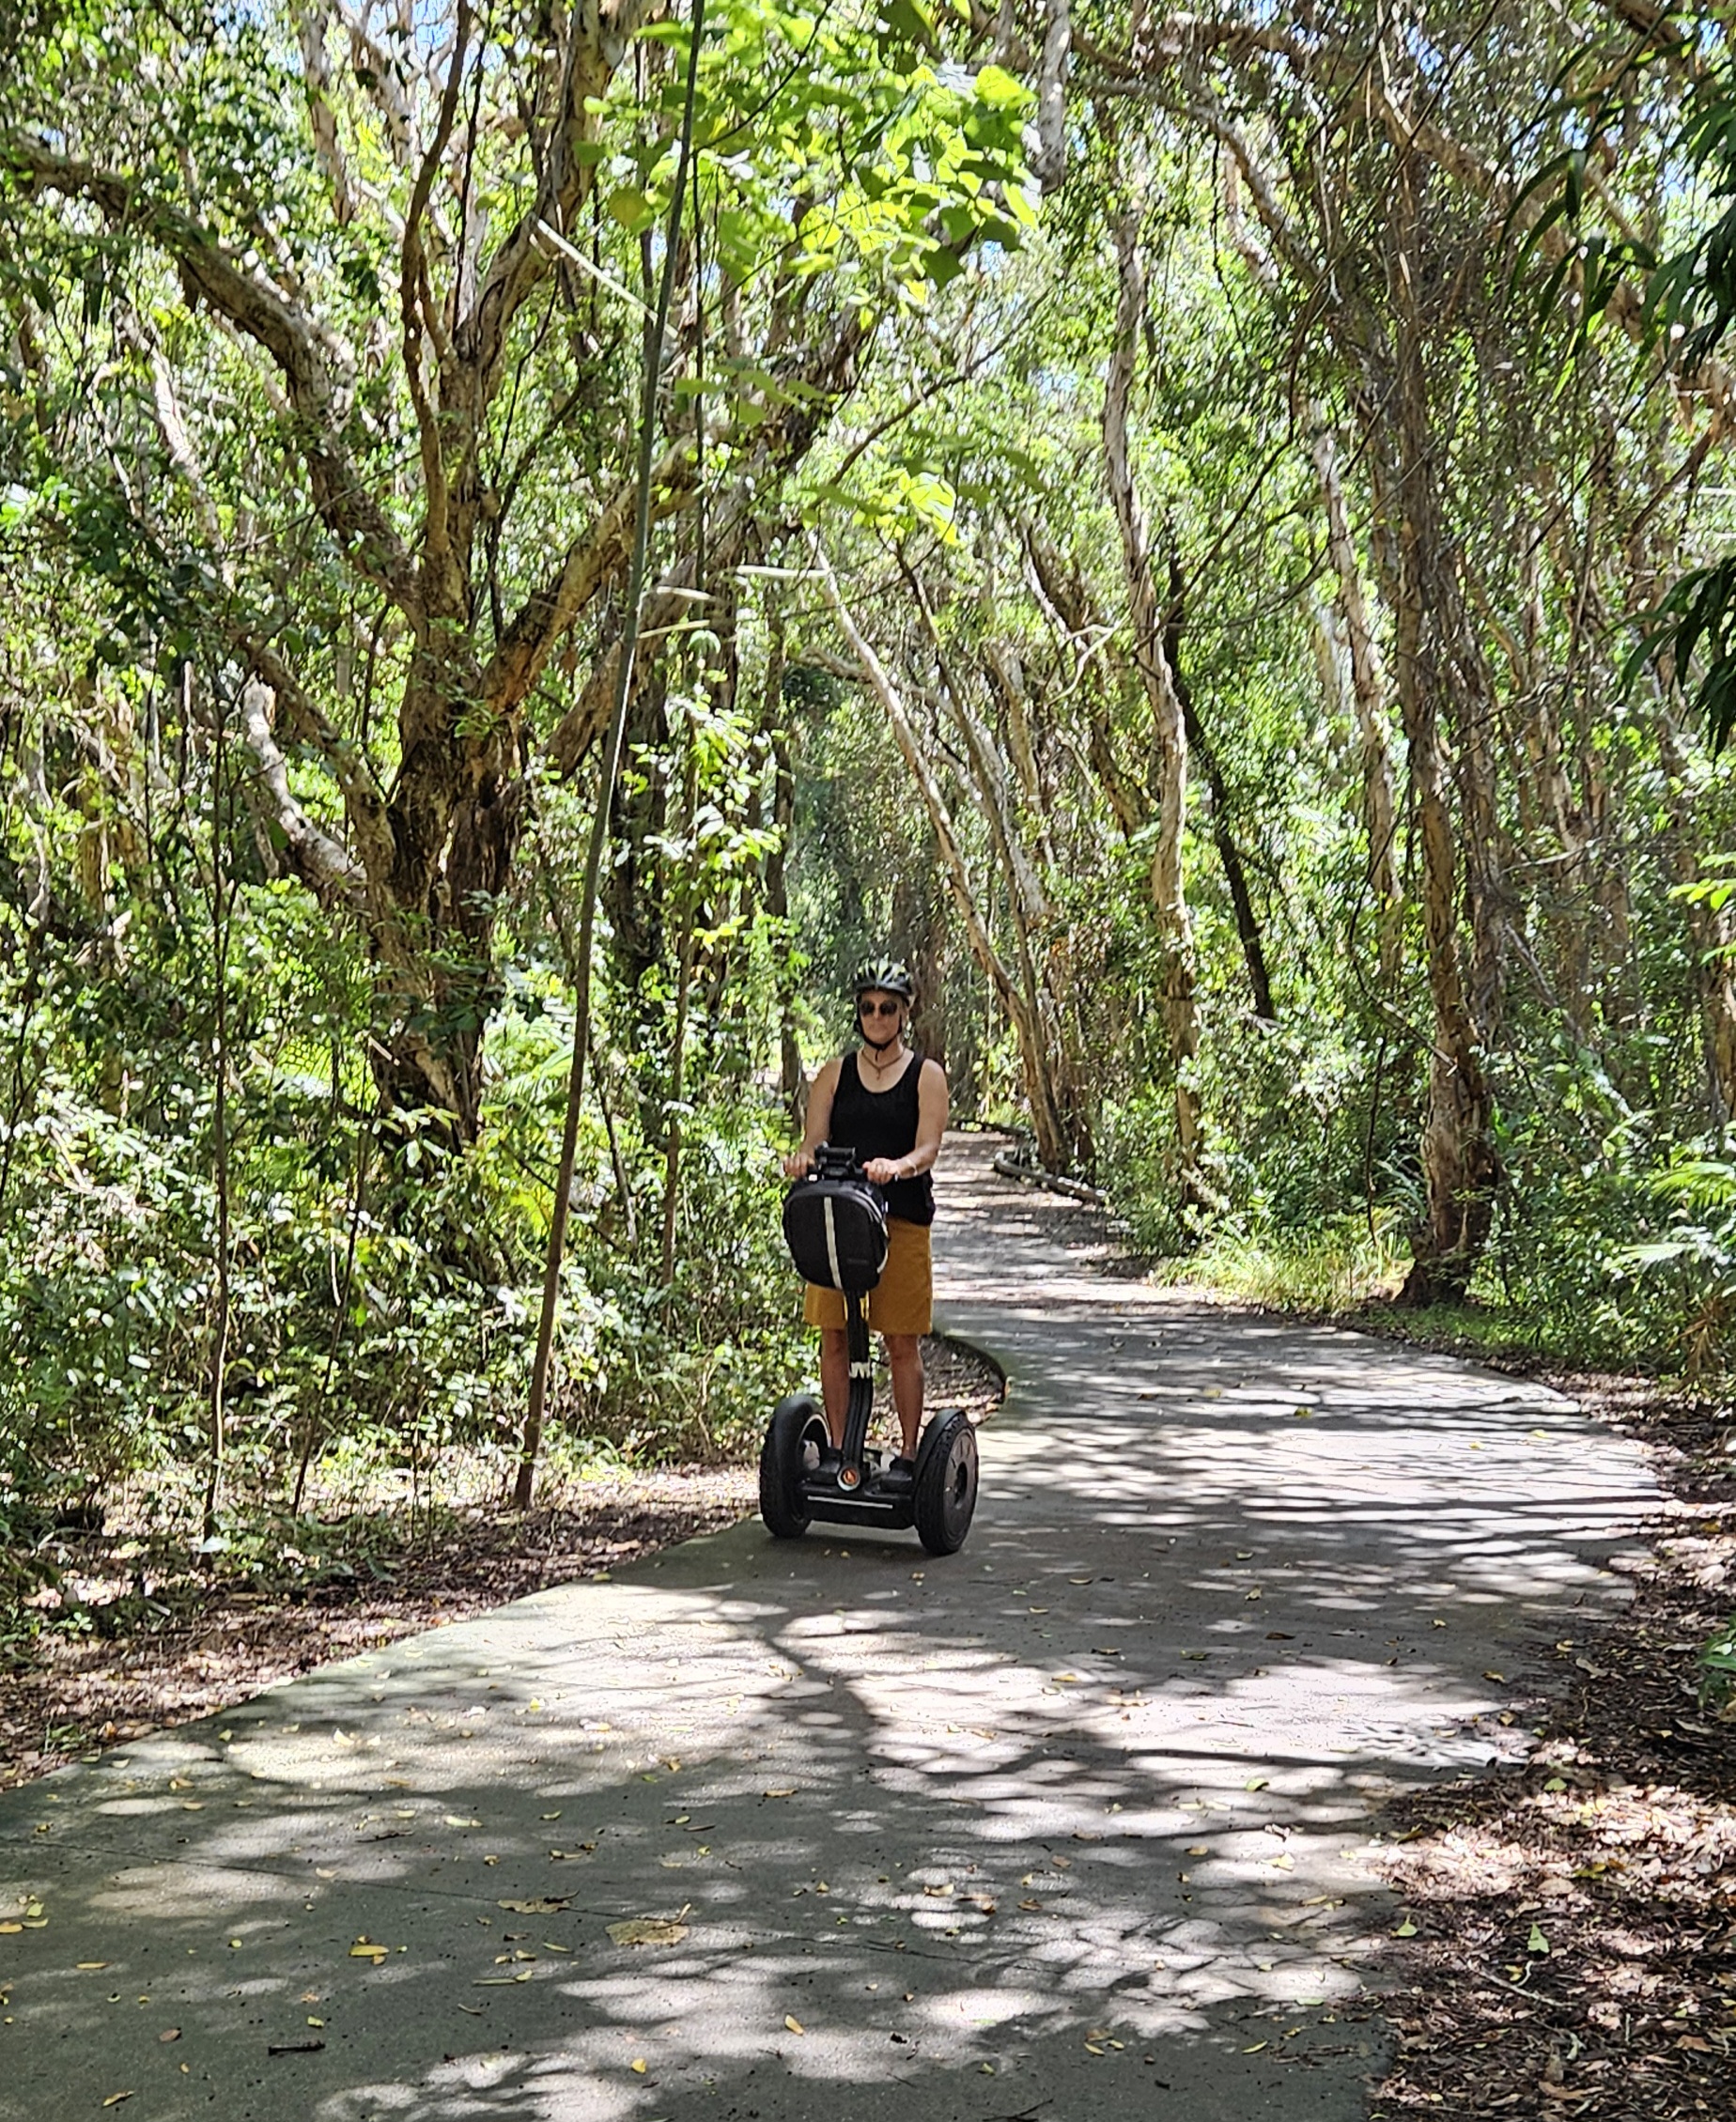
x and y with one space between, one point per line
599 36
310 853
316 367
415 300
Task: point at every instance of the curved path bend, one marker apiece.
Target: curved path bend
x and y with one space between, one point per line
1070 1827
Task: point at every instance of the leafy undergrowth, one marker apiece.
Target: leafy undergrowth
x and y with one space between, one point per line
141 1632
1575 1947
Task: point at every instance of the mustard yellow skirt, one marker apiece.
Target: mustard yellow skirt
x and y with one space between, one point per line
902 1302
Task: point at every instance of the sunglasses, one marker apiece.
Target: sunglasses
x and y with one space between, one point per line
878 1009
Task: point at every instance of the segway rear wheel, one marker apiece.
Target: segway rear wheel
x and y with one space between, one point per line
946 1482
795 1437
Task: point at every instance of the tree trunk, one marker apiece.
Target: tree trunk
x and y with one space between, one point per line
774 720
1229 854
918 934
1046 1113
1461 1166
452 821
1713 928
1169 726
1367 696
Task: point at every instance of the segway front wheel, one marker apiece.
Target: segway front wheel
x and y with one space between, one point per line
946 1482
794 1439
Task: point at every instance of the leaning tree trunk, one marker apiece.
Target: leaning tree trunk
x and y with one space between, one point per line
1047 1113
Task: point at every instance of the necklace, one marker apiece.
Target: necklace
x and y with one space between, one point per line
880 1067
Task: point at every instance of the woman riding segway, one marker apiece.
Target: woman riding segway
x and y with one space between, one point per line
887 1103
857 1224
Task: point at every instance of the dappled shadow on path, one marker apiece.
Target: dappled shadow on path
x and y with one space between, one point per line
1068 1818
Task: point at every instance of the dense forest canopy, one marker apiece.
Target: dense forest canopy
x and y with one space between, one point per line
1206 532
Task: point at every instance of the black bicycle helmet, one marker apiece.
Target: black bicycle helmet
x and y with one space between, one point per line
884 976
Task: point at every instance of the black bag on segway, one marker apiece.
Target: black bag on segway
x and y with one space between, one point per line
835 1224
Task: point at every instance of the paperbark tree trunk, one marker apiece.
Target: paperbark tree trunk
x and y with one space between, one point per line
1048 1115
1029 908
1368 698
1461 1166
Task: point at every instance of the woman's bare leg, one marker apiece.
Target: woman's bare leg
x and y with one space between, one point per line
836 1379
903 1354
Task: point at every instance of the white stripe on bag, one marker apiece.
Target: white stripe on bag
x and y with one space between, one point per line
831 1246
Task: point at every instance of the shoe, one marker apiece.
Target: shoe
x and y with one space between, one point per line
900 1474
832 1459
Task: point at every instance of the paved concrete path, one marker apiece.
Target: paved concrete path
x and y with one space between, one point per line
1070 1827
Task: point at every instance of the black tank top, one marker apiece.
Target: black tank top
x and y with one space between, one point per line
883 1123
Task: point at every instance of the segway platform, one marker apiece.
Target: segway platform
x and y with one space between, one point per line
834 1223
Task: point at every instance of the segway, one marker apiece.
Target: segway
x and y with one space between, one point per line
835 1224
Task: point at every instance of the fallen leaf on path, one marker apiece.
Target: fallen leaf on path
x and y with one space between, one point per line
795 2026
790 1793
647 1930
1537 1943
114 2098
1256 1783
365 1948
169 2034
546 1904
1407 1929
638 2064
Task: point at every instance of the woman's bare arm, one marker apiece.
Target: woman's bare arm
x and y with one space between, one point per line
820 1096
